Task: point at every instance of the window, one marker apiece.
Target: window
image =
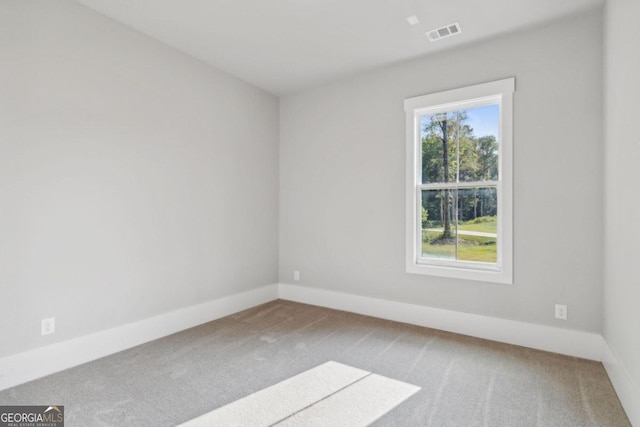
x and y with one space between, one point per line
459 183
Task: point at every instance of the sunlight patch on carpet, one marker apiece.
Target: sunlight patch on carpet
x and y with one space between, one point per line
329 394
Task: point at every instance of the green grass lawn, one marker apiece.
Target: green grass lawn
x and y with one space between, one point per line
470 248
478 253
485 227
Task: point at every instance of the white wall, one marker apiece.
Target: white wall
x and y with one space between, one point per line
134 180
342 177
622 206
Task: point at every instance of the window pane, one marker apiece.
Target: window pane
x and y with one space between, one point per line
438 147
460 145
438 224
477 229
478 143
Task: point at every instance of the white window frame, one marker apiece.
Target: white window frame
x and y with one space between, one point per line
497 92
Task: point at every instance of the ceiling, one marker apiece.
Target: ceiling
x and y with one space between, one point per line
287 45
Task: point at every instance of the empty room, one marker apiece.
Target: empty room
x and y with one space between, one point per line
319 213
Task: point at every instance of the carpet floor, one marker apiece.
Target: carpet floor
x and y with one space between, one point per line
463 381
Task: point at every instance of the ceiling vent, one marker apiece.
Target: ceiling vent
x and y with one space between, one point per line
443 32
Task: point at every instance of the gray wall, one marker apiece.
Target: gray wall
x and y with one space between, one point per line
342 177
622 206
134 180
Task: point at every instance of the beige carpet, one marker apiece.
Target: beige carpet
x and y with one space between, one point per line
463 381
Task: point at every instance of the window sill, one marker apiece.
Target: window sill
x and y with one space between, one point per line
494 275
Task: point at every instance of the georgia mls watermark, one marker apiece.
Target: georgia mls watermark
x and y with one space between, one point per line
32 416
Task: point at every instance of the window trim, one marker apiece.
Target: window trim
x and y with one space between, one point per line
471 96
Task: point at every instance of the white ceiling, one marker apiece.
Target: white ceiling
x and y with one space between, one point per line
288 45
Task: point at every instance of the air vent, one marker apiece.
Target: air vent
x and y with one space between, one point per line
443 32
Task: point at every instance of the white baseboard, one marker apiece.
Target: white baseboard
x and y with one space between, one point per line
563 341
628 392
29 365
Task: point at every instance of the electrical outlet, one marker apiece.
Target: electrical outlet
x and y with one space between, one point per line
48 326
561 311
296 275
